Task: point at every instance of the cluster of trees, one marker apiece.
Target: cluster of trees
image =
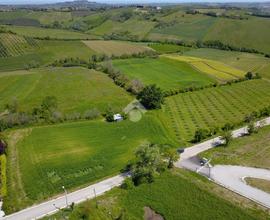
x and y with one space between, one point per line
201 134
216 44
47 112
69 62
123 35
150 161
248 76
151 97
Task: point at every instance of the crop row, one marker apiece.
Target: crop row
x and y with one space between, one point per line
13 45
214 107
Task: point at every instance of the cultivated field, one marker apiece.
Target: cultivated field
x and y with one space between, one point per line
46 52
14 45
216 69
77 89
244 61
166 73
115 47
188 28
72 155
251 33
214 107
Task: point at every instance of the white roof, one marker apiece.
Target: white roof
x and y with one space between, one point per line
117 117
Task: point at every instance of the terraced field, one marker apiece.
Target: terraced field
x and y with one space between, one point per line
214 107
167 73
117 48
77 89
216 69
72 155
14 45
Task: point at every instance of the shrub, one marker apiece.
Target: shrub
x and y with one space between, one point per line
127 184
200 134
91 114
109 115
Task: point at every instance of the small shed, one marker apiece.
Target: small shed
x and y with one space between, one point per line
117 117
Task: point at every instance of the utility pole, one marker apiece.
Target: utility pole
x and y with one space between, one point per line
95 197
63 187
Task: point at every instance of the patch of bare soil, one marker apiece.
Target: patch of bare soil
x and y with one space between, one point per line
150 214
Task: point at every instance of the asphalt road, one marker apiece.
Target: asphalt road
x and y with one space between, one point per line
52 206
232 177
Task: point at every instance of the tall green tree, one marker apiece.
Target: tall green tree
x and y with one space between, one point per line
151 97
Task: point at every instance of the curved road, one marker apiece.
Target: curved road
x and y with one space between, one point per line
232 177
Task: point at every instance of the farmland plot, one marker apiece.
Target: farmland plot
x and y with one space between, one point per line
214 107
167 73
77 89
13 45
216 69
74 154
115 48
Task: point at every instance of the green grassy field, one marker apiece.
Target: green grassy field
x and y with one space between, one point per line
77 89
135 27
251 33
166 73
47 52
168 48
243 61
184 196
214 107
117 48
72 154
251 151
215 69
47 32
189 27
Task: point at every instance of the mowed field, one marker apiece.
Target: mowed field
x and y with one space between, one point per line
47 32
244 61
77 89
184 196
167 73
215 69
116 48
214 107
45 53
251 151
72 154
